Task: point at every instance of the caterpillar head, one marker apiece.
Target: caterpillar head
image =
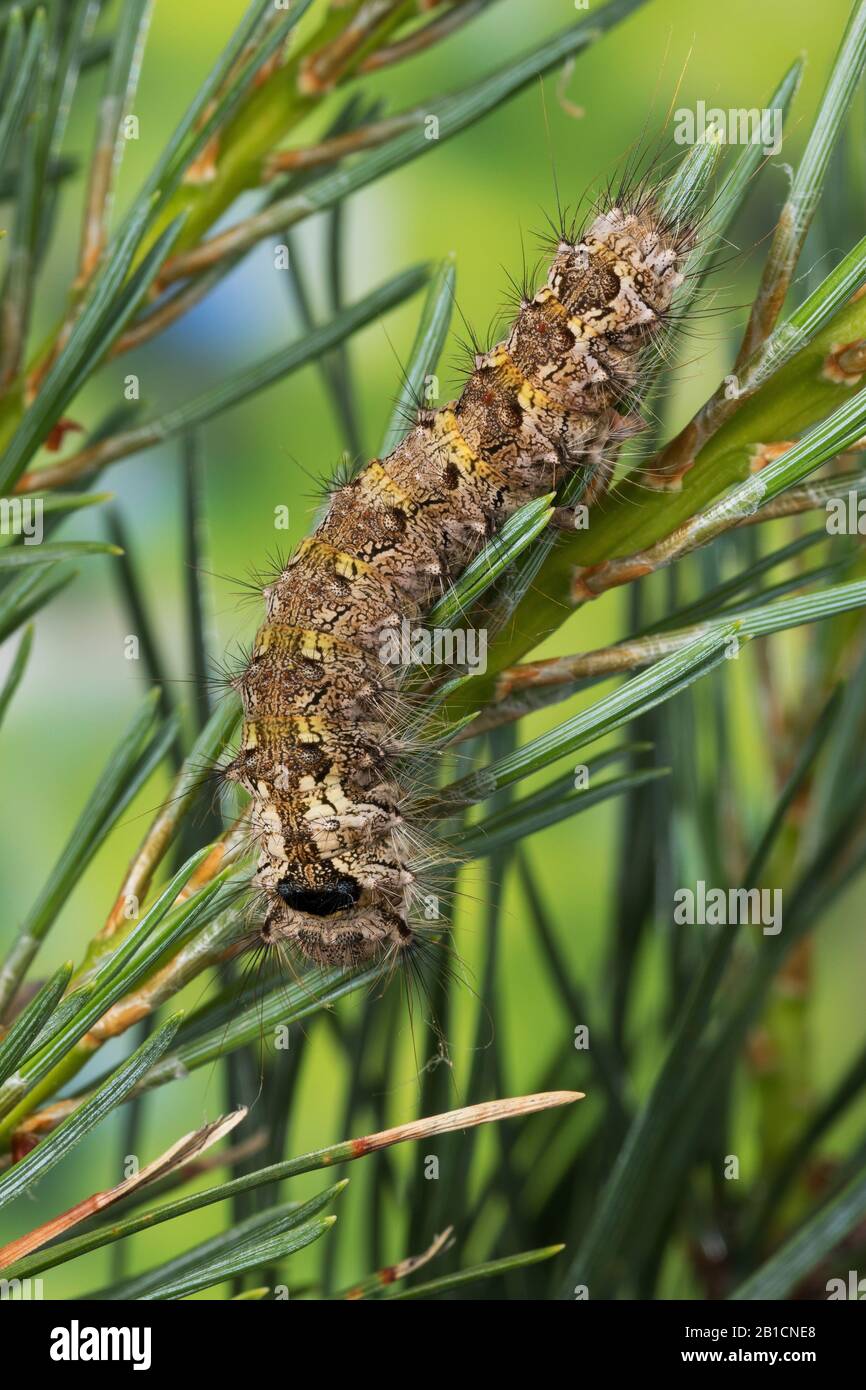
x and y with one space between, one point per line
335 920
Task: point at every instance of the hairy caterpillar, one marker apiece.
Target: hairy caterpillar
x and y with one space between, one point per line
320 738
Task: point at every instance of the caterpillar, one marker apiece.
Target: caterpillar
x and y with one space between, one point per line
320 744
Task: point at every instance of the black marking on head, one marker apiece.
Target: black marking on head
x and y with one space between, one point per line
320 902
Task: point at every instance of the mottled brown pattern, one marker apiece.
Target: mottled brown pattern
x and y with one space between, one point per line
321 730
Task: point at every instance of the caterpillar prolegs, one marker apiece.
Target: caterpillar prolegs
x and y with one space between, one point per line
320 746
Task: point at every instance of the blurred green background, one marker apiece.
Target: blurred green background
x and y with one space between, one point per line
484 195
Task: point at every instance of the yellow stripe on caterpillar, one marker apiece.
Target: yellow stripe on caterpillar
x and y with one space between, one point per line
548 297
377 481
529 397
446 432
283 637
345 565
305 729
